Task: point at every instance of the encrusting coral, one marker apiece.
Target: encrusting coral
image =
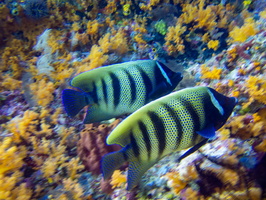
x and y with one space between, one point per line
92 146
38 142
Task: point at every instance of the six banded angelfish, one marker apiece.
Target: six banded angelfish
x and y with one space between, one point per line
171 123
118 89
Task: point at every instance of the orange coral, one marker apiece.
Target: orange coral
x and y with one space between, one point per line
118 179
74 188
43 92
9 83
119 42
208 73
244 32
174 42
213 44
93 30
246 126
62 72
256 88
204 16
176 183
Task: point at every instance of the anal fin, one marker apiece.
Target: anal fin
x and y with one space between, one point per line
135 171
193 149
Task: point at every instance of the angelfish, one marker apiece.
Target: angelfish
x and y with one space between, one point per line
171 123
118 89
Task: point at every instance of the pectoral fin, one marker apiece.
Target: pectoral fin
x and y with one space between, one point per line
207 132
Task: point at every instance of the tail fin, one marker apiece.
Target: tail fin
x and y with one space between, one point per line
73 101
111 162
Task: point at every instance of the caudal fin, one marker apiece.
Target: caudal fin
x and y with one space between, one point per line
111 162
73 101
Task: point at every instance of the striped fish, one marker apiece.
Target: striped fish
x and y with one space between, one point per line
118 89
171 123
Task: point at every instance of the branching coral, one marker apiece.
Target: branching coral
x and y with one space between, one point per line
118 179
11 156
244 32
43 92
208 73
174 42
256 88
76 191
9 83
38 146
204 17
213 44
28 151
98 53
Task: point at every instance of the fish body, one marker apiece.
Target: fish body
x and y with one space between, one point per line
171 123
118 89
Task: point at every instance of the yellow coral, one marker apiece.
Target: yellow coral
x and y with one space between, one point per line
22 192
149 5
43 92
97 57
256 88
8 184
93 29
119 42
49 167
191 194
208 73
73 167
11 156
175 182
213 44
10 83
62 71
138 38
174 42
244 32
74 188
55 116
229 176
245 126
118 179
22 128
204 16
111 7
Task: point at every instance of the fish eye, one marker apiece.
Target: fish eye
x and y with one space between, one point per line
14 11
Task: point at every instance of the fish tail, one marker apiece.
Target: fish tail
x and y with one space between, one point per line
74 101
112 161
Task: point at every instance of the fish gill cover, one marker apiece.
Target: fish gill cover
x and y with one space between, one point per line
44 44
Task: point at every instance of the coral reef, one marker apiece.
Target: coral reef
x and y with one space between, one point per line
92 146
43 44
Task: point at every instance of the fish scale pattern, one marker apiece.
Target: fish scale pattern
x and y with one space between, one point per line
118 89
171 123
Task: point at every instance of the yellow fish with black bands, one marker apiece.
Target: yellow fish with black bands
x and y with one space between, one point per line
171 123
118 89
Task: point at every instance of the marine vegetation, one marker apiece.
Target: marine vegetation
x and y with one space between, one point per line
45 46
